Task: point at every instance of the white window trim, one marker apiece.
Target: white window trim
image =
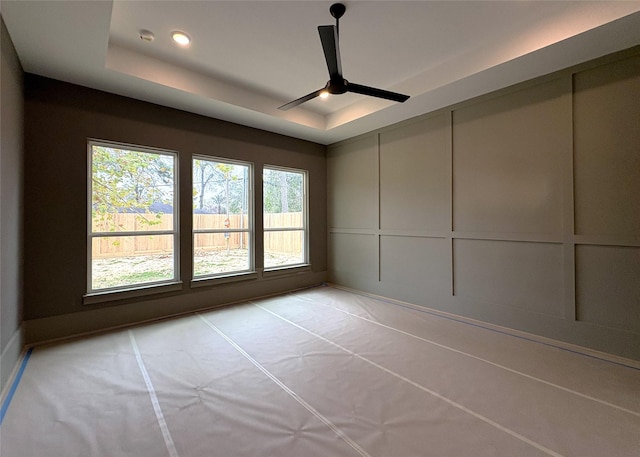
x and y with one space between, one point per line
131 290
289 268
142 290
228 276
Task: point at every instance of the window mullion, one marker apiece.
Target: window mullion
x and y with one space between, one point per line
284 229
132 233
229 230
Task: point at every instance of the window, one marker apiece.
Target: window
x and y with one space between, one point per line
222 217
285 217
132 231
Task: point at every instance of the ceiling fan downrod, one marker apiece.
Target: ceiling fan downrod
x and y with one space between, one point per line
337 10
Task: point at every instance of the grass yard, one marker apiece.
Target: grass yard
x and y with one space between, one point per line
117 271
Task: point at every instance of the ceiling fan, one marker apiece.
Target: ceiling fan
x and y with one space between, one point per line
337 84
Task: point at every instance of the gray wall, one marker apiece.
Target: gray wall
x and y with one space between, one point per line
59 117
520 208
11 152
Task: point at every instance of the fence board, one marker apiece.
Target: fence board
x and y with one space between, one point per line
277 242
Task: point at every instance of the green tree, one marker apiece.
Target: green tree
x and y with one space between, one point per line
203 176
129 181
219 187
283 191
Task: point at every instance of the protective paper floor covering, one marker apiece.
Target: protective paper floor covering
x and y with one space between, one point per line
321 372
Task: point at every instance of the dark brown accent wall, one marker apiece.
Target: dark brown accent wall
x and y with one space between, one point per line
59 118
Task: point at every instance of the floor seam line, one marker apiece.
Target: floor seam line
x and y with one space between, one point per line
421 387
284 387
162 423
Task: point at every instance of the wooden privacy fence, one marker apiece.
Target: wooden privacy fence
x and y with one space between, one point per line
285 242
278 242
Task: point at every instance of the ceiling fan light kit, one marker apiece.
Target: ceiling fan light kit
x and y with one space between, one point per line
337 84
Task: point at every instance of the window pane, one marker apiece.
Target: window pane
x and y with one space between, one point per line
220 195
129 260
283 248
219 253
131 190
283 196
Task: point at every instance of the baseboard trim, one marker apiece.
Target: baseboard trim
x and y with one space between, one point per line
9 360
509 331
101 320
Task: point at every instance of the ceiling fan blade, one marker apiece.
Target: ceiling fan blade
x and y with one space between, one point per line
300 100
329 38
366 90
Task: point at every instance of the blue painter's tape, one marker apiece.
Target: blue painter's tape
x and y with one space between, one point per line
14 386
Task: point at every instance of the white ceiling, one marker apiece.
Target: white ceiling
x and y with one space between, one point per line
247 58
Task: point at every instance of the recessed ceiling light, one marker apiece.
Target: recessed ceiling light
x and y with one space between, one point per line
181 38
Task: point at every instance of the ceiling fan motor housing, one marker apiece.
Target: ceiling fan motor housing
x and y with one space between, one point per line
337 86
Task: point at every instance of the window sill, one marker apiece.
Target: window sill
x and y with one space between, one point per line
288 270
123 294
212 281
